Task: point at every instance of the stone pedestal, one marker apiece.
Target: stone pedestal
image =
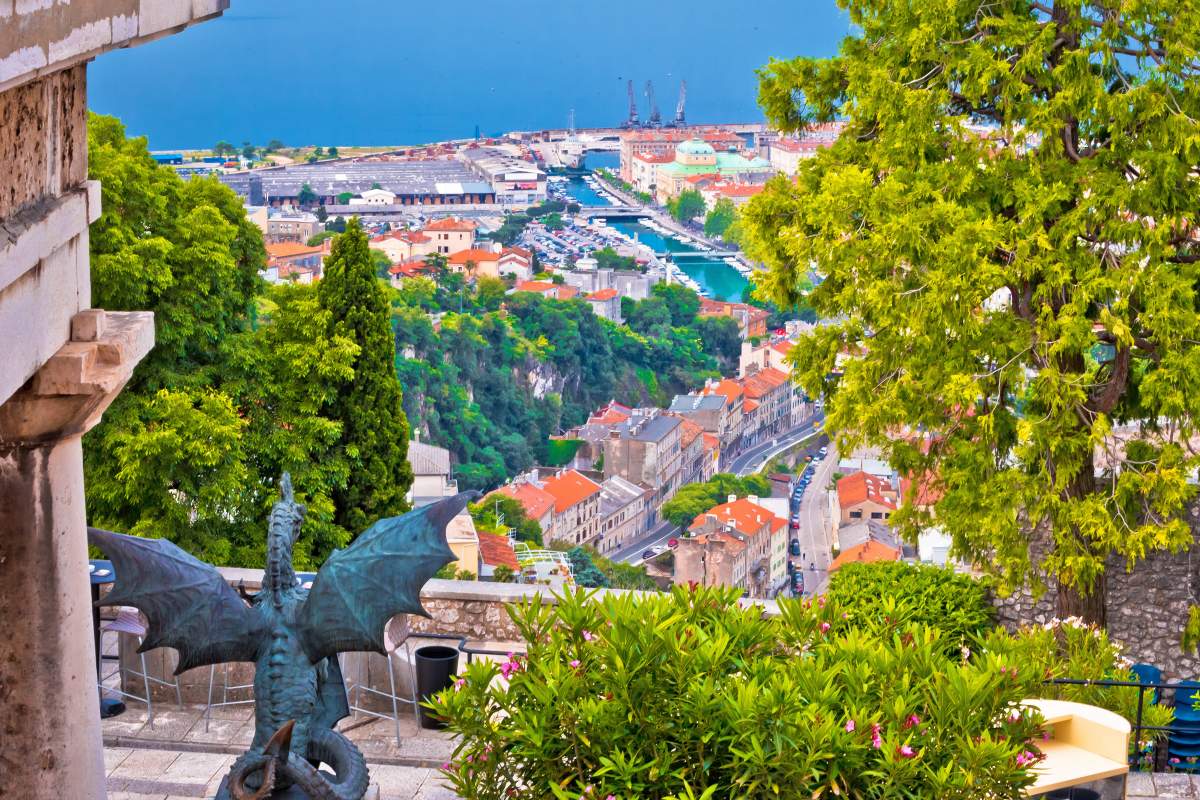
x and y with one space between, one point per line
49 711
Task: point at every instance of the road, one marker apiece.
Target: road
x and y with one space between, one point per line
760 455
815 544
632 552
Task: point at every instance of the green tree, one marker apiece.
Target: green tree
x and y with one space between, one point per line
682 302
608 258
317 238
694 499
687 206
719 218
489 293
273 146
721 338
585 572
306 197
223 148
498 513
248 151
333 152
553 222
374 433
1025 285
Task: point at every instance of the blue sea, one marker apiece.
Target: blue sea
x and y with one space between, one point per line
392 72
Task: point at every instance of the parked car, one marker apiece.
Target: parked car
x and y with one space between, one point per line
794 525
672 543
797 582
659 549
824 451
648 554
795 547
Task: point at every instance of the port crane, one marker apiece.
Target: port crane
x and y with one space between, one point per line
655 120
680 121
632 121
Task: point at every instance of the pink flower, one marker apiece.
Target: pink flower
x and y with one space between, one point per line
906 751
912 721
1025 757
876 739
849 726
824 627
575 663
460 683
447 765
588 636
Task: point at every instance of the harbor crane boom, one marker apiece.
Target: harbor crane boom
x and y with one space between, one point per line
680 121
632 121
655 120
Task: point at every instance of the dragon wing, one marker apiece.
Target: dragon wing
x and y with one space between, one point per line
377 577
189 605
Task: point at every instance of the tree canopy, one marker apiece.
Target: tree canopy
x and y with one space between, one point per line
687 206
370 410
1005 230
694 499
719 218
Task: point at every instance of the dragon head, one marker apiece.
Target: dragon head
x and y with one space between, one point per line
283 528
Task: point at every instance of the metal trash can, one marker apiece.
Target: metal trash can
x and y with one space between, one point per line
1073 794
436 667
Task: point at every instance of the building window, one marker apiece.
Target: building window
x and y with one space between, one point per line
855 515
876 515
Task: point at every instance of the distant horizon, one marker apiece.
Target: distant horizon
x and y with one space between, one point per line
306 74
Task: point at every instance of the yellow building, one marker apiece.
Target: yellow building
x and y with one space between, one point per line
695 157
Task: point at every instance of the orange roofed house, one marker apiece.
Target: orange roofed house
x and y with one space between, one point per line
576 508
733 544
450 235
751 320
292 261
402 245
536 501
495 551
475 263
605 303
551 291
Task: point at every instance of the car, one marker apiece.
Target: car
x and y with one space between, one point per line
672 543
659 549
794 525
648 554
824 451
795 547
797 582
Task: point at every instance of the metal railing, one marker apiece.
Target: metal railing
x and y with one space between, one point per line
1138 725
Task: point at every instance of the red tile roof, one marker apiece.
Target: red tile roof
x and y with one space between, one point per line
750 405
862 486
411 268
451 224
474 254
611 414
866 552
711 442
517 251
688 431
602 295
738 189
570 488
409 237
541 287
655 158
291 249
728 388
744 516
534 500
495 551
763 382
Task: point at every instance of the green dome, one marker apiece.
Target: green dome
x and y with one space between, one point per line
696 147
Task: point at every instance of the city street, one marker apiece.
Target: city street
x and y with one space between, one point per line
658 535
758 456
814 538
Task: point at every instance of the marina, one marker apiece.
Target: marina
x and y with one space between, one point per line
684 259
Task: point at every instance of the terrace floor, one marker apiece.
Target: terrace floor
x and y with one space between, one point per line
1143 785
177 758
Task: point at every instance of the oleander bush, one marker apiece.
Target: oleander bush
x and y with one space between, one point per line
687 695
884 593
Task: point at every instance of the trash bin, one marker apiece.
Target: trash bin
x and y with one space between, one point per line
436 666
1073 794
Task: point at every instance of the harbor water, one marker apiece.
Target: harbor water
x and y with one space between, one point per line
718 279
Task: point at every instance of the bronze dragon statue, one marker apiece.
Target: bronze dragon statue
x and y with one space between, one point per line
292 634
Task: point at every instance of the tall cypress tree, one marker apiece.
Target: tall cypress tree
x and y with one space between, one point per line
374 427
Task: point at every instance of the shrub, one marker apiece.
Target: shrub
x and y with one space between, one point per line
1071 649
895 592
688 696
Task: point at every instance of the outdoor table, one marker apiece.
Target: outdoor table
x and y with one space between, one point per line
101 573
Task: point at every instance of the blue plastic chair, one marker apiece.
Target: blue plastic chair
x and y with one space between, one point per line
1148 673
1186 701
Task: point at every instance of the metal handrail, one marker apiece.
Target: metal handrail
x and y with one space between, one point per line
1138 726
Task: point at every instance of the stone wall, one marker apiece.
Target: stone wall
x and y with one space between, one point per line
1147 608
472 609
